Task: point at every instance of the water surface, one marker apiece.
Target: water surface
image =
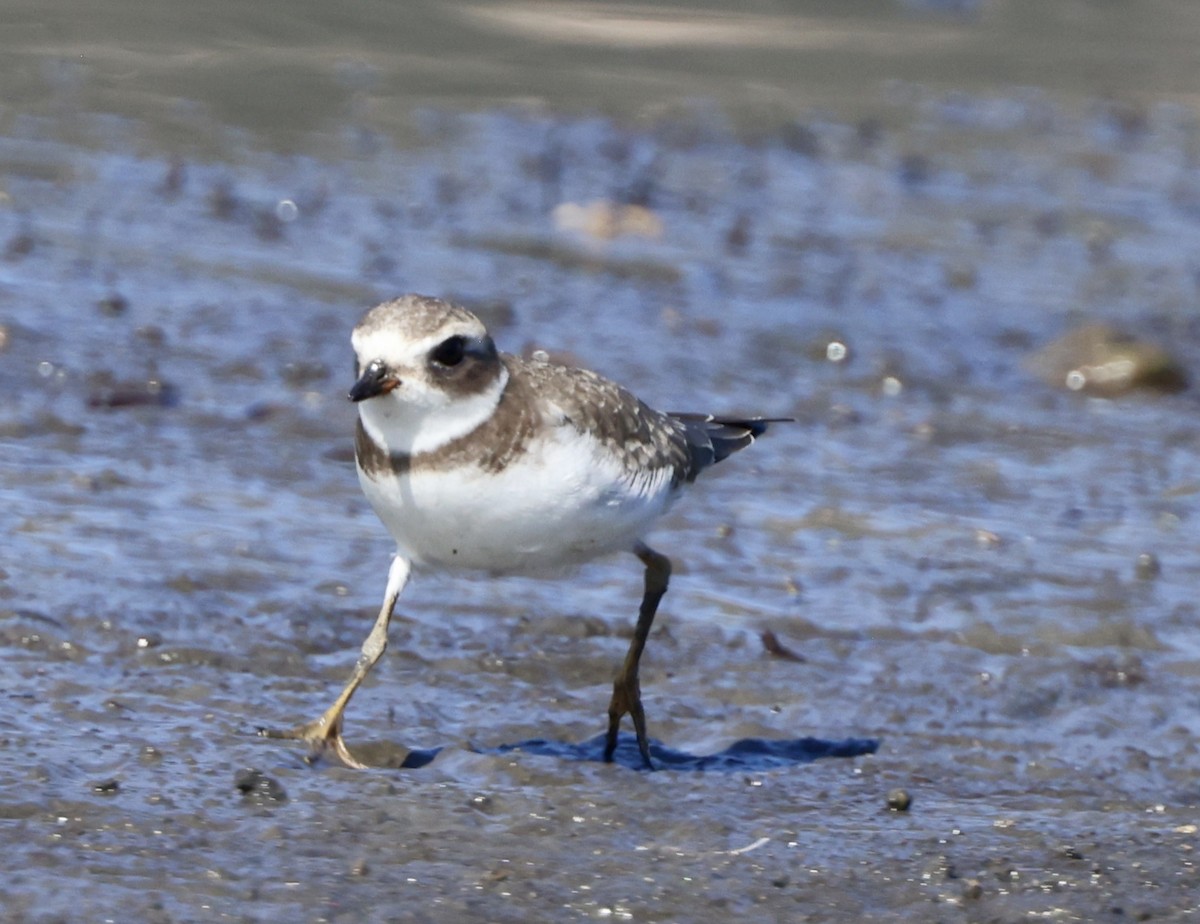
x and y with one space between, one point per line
990 575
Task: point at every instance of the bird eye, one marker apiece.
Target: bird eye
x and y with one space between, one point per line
449 352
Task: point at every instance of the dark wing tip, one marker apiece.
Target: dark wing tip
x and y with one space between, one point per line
712 438
755 426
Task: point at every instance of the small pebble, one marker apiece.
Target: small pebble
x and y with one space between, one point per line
257 787
773 646
133 393
19 245
1147 567
113 305
483 803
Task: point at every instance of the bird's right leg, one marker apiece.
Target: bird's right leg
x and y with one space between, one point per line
325 732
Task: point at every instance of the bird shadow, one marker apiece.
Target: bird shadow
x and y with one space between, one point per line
748 754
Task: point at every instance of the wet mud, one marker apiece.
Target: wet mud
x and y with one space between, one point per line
929 653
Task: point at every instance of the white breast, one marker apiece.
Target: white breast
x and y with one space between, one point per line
563 502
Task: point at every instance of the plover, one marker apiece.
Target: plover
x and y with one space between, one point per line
479 460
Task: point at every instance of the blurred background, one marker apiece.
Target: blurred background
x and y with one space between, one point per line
299 77
959 242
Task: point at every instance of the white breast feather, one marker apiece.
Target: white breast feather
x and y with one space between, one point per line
563 502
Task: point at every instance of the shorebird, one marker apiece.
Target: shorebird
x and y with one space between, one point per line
480 460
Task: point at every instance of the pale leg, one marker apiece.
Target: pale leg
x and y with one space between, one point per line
326 731
627 693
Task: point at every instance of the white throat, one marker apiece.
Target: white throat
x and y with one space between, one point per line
412 427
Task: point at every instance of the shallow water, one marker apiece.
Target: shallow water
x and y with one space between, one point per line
950 545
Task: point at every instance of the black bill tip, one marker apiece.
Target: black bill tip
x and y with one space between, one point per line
375 380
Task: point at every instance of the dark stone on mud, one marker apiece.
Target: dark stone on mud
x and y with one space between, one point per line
259 788
113 305
148 393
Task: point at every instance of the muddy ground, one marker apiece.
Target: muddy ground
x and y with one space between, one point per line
960 557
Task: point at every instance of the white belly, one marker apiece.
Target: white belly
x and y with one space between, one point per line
560 504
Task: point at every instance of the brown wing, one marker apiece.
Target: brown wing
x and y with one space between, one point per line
646 438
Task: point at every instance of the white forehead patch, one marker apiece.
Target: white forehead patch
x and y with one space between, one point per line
402 332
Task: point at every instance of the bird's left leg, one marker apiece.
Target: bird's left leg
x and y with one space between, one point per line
627 694
325 732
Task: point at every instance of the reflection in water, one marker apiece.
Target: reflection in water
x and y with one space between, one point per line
747 755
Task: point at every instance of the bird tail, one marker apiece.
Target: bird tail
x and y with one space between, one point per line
711 438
